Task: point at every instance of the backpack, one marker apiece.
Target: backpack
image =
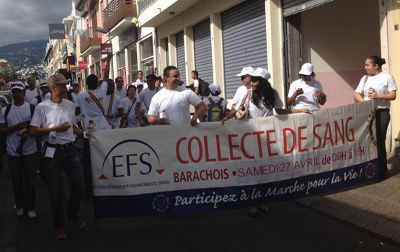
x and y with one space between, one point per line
215 111
8 108
204 90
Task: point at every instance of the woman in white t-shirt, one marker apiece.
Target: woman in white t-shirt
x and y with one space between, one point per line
381 87
129 103
306 93
264 99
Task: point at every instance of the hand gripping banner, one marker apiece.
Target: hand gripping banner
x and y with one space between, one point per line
178 169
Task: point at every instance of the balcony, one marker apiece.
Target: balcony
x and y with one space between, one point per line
90 38
143 4
116 11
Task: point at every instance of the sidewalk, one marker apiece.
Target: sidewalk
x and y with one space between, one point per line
375 207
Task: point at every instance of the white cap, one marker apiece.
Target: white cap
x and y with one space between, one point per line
214 88
261 72
245 71
306 69
17 85
138 83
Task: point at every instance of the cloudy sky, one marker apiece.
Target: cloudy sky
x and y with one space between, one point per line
25 20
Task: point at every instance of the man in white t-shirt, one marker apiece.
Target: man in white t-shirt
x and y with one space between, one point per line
21 149
140 81
32 93
241 93
144 98
113 106
44 88
120 90
54 120
171 104
76 88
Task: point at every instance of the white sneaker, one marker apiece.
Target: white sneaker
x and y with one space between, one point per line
31 214
19 211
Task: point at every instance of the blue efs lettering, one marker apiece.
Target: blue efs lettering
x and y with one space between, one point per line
131 160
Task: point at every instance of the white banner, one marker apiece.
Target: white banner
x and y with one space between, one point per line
162 159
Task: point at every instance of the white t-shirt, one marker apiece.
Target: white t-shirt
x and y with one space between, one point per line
145 98
30 95
383 83
263 111
116 104
75 98
121 93
90 110
18 114
215 100
173 104
49 114
240 94
129 106
196 83
307 100
46 96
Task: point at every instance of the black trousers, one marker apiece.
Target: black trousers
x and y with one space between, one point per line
382 123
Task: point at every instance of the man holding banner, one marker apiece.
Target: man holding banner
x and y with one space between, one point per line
171 104
91 105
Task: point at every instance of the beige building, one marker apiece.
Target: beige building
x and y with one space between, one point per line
218 38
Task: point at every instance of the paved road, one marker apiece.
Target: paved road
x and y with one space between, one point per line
289 227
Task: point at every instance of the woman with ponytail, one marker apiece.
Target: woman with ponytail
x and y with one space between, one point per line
381 87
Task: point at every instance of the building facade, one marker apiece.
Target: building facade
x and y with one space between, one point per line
218 38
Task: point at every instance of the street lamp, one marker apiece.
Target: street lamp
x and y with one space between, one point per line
102 30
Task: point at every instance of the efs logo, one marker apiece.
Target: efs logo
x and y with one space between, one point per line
131 157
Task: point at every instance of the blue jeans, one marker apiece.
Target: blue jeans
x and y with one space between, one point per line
65 164
23 171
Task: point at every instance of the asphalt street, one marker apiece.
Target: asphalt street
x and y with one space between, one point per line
289 227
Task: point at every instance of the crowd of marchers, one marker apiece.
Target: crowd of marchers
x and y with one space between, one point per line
46 129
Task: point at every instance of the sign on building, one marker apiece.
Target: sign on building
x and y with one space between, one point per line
57 31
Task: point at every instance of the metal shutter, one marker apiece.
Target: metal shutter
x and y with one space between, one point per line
244 41
202 50
180 55
291 7
166 52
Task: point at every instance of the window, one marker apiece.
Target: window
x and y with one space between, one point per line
147 58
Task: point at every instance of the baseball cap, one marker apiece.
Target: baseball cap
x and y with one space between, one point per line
43 83
214 88
17 85
75 84
306 69
261 72
57 79
245 71
138 83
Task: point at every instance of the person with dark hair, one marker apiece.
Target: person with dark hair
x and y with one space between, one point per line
144 99
33 93
306 92
159 83
91 105
242 92
129 119
113 106
262 99
120 90
91 102
139 82
171 104
381 87
21 149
